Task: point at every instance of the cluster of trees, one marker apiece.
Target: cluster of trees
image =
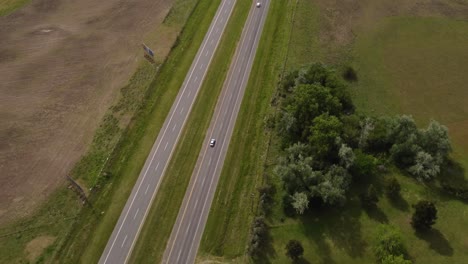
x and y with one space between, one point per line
326 145
258 236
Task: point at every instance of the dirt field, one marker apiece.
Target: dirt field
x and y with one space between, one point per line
62 64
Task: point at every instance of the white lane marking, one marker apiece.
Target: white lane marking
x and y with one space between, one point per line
203 181
147 187
166 145
217 163
178 256
136 213
189 93
211 42
225 11
181 110
185 209
201 64
209 162
174 127
188 228
155 169
217 30
230 96
196 78
125 239
206 53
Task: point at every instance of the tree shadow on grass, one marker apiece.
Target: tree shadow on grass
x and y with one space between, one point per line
437 241
377 214
301 261
340 225
399 203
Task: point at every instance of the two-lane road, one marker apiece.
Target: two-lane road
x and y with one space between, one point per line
125 234
186 233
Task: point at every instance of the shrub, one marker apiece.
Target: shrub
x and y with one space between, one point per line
294 249
392 259
370 198
388 242
392 188
258 236
424 216
350 74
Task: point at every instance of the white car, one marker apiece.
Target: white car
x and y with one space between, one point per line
258 4
212 142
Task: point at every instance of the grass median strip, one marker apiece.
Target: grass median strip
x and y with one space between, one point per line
233 207
158 226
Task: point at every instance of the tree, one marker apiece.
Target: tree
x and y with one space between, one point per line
306 102
300 202
392 259
364 165
388 242
424 216
333 186
294 249
346 155
323 134
392 188
370 197
435 140
258 236
425 167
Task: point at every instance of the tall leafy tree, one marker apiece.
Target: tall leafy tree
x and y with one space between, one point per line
294 249
424 216
300 202
324 132
425 167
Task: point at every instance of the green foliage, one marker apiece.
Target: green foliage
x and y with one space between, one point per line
364 165
370 198
294 249
258 236
333 186
266 193
392 259
425 167
306 103
300 202
324 133
388 242
424 216
346 156
392 188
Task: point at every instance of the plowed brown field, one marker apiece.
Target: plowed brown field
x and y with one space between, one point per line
62 64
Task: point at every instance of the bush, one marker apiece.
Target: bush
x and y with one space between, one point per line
258 236
350 74
266 198
294 249
364 165
392 259
392 188
459 192
388 242
424 216
369 198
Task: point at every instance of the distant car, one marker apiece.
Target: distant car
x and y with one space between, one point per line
212 142
258 4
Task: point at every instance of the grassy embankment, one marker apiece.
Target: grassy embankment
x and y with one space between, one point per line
169 198
405 65
150 93
8 6
233 208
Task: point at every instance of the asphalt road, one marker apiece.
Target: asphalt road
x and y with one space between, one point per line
188 229
125 234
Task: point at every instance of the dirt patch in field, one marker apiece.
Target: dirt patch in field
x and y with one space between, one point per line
62 64
35 247
341 20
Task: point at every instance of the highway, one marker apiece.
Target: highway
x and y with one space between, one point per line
188 229
131 220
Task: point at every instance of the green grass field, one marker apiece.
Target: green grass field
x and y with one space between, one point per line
8 6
